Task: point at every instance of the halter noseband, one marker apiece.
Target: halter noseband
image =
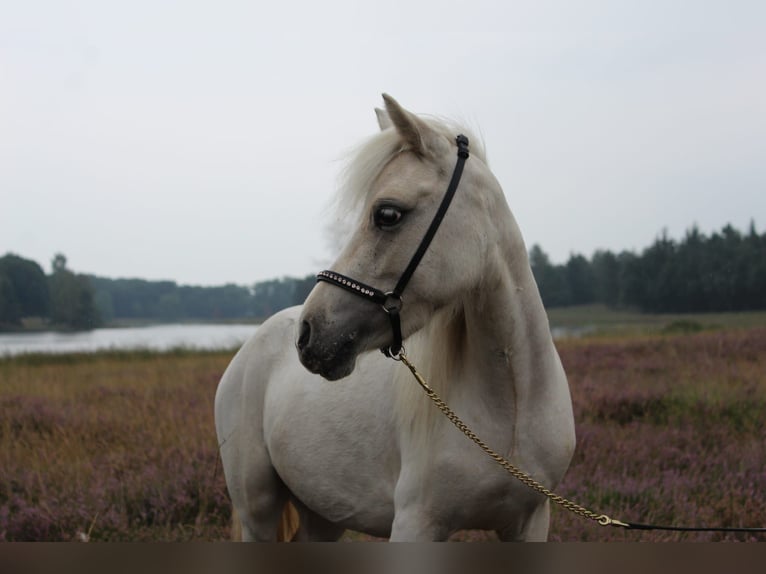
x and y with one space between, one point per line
391 301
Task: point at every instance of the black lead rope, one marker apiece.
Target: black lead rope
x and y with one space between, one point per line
640 526
391 301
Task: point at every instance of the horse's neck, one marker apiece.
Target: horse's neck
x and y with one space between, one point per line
488 355
508 340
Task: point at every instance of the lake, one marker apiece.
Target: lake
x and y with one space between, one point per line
154 337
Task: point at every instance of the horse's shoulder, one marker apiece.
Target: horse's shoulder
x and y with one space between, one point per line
270 346
278 330
273 338
285 316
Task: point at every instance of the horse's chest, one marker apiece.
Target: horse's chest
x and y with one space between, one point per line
457 483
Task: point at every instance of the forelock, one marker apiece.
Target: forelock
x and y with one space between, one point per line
366 161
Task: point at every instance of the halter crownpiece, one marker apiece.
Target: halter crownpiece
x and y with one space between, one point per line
391 301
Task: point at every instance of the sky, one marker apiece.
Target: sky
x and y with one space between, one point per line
201 142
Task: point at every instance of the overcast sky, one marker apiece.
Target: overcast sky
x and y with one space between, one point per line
200 141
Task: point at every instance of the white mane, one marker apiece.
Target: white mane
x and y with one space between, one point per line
437 350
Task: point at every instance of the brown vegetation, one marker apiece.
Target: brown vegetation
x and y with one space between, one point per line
121 446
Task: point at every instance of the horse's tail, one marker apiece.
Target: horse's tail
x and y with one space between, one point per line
236 527
289 522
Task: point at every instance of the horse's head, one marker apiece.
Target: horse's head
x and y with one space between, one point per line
399 179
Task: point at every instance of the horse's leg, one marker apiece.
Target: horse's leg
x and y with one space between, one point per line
414 520
533 529
415 524
313 527
259 504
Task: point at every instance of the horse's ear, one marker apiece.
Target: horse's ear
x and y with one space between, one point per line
414 131
384 121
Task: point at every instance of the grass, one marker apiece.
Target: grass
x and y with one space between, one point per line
120 446
670 430
602 320
112 447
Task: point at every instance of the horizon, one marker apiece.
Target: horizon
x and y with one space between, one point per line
661 234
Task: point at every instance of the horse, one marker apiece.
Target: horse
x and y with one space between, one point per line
320 433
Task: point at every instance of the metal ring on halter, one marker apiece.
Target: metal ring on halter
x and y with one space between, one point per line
394 298
391 305
395 356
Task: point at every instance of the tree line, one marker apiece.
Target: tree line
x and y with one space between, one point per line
725 271
167 301
62 299
68 300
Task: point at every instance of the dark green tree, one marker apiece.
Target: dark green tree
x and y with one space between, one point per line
72 298
10 310
606 278
25 290
754 253
580 280
631 280
658 273
551 280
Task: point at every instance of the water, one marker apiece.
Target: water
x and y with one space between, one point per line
155 337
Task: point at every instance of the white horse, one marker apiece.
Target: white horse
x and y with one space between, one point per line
369 452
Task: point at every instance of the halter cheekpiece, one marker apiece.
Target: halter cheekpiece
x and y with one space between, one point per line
391 301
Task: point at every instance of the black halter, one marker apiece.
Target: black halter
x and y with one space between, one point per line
391 301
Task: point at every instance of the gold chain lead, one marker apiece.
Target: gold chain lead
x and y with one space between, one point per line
519 475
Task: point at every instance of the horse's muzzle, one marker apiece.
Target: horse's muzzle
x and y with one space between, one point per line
331 358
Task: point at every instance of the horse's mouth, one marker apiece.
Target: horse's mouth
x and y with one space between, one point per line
331 372
331 362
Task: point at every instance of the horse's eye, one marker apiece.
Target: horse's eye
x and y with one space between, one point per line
387 216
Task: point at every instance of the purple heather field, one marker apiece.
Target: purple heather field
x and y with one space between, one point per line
121 446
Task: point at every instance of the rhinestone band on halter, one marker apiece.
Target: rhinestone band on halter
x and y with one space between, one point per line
335 278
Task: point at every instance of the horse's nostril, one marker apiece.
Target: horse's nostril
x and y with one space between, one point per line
304 335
